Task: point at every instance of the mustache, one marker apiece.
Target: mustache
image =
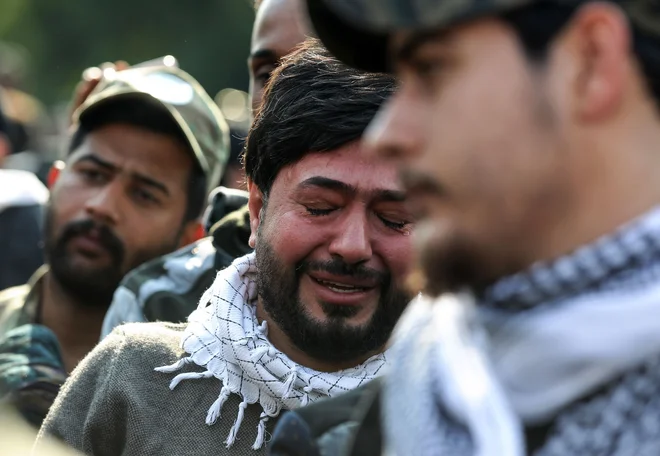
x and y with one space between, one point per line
101 232
339 267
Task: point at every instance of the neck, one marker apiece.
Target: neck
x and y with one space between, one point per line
282 342
613 181
77 325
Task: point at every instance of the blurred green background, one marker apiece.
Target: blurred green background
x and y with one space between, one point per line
60 38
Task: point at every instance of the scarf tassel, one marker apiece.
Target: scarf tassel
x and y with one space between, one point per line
305 399
261 432
260 352
189 376
237 425
174 367
263 328
215 410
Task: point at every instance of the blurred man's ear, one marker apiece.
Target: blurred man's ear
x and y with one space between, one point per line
54 173
5 148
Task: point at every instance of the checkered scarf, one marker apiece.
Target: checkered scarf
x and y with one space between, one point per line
225 338
535 344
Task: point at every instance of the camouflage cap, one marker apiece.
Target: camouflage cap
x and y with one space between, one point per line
175 91
357 31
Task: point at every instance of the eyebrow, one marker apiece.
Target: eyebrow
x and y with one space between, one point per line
415 41
347 189
146 180
263 54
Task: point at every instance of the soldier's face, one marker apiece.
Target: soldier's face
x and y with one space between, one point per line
118 203
480 148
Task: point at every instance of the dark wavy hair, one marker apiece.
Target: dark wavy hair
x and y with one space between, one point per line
312 103
538 24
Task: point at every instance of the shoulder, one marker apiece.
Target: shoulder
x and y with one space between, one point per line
130 350
122 367
153 340
175 272
167 288
627 408
11 303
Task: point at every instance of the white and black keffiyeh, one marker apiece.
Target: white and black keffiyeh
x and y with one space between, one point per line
471 376
225 338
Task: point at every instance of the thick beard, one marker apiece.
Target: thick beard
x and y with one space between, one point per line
333 340
90 287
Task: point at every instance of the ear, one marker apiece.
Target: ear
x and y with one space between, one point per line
255 205
192 232
54 173
599 35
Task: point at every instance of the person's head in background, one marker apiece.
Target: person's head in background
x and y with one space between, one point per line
133 186
523 134
280 26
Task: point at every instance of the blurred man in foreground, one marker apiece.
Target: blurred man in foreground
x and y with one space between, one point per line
146 143
169 288
528 137
304 317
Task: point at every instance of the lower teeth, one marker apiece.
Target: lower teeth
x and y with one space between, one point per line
343 290
340 289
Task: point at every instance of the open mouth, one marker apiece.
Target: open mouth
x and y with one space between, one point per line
342 288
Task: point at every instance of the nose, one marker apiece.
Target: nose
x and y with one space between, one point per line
104 205
395 131
352 242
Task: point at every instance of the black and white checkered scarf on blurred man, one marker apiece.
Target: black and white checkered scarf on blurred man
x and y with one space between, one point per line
573 344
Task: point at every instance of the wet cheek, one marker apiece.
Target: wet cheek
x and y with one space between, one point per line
398 257
293 239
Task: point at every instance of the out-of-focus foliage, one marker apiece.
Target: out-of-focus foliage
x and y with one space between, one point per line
63 37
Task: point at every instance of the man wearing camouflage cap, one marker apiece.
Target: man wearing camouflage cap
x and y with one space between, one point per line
527 133
148 145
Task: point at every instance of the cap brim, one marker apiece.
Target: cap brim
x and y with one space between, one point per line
355 47
87 111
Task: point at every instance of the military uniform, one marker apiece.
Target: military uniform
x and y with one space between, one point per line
31 365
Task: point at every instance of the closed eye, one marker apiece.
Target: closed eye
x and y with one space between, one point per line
318 212
392 224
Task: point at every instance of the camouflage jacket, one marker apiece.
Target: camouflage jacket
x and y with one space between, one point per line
31 365
169 288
